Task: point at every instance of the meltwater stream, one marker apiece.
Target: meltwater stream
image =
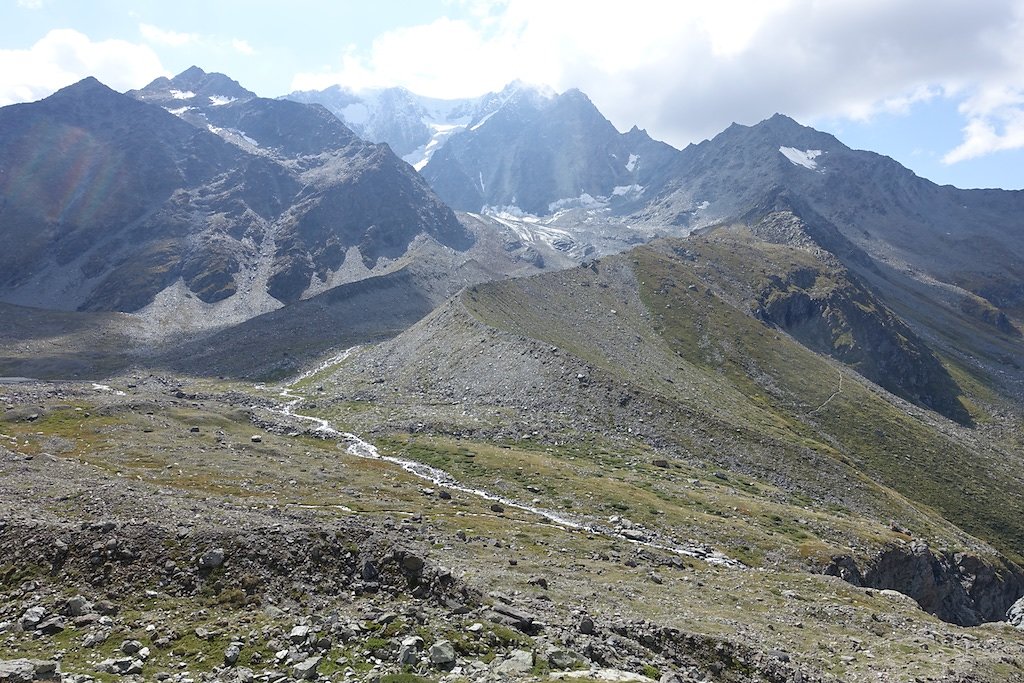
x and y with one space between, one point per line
362 449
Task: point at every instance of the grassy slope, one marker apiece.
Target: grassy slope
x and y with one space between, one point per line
670 324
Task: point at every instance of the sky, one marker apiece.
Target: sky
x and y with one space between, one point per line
936 84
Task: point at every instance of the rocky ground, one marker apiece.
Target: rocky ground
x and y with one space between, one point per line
161 529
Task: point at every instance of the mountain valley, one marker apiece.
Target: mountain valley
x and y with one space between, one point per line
548 401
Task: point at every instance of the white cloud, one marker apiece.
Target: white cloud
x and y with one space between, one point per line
993 125
685 70
160 36
242 47
30 4
65 56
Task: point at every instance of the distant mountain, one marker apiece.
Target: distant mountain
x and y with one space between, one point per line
969 238
538 152
950 261
414 126
194 189
524 149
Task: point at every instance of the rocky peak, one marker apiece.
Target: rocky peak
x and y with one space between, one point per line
193 87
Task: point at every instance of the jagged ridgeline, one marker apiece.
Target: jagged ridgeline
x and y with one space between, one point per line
111 199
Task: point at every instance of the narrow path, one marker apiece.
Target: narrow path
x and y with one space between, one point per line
438 477
828 400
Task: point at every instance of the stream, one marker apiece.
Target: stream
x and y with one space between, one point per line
360 448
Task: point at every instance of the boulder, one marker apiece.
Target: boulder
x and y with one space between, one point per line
211 559
231 654
26 670
561 659
407 655
517 662
306 669
299 634
77 606
51 626
32 617
442 654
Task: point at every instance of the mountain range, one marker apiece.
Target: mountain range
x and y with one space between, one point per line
769 347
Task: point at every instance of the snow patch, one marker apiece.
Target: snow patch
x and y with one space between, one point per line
628 190
483 188
585 200
419 157
482 121
182 94
220 100
179 111
805 158
107 387
631 164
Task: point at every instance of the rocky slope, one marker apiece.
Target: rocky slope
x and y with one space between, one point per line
247 201
942 257
695 348
194 560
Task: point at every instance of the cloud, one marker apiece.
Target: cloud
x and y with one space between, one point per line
30 4
65 56
446 58
242 47
155 34
990 127
686 70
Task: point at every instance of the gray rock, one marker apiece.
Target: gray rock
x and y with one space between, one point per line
306 669
32 617
517 662
562 659
77 606
412 563
407 655
131 647
442 654
25 670
51 626
231 654
413 641
514 617
368 570
121 666
106 608
586 625
95 638
211 559
299 634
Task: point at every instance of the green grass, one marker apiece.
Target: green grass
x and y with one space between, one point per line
682 338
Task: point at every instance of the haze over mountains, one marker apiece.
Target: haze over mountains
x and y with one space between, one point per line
799 356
